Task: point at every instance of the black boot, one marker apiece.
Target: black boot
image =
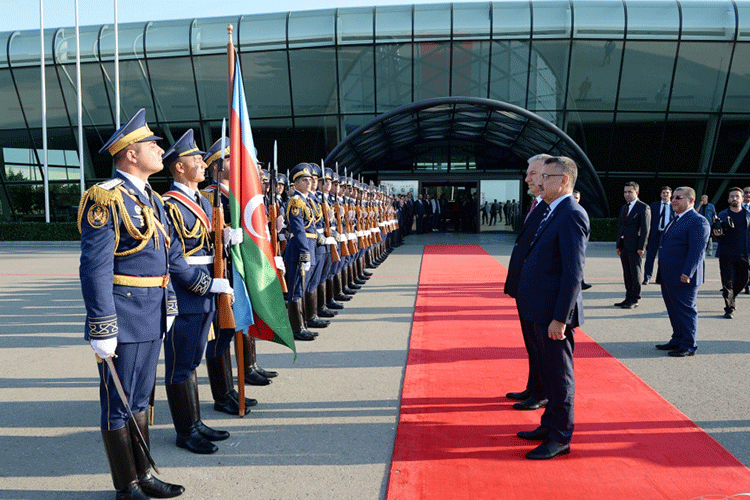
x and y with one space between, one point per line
330 302
119 448
311 307
220 377
151 486
323 310
338 290
185 418
252 376
256 368
295 320
206 431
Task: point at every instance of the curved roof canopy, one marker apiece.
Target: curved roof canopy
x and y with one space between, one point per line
494 135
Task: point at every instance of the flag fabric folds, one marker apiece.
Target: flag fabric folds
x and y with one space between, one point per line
253 259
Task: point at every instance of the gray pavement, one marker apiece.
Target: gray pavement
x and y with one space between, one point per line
325 427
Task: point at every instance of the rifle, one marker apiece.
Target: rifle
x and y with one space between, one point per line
333 246
273 213
339 226
225 314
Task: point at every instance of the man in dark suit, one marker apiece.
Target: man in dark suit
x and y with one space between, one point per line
661 215
532 397
549 295
419 211
635 219
681 260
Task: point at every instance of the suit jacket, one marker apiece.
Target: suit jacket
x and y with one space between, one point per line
655 219
552 270
634 227
683 250
521 248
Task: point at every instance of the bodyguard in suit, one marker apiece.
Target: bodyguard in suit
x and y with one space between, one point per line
635 220
191 268
532 397
681 260
549 296
733 250
661 215
129 299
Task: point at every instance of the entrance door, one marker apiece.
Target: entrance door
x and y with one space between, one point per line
459 209
500 205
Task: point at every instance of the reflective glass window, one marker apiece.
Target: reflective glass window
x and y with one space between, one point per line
509 72
30 90
511 19
65 45
595 70
172 82
431 74
312 28
393 23
266 81
551 19
96 107
394 75
643 129
262 32
314 81
168 38
700 76
684 141
357 76
355 26
25 45
592 131
549 69
470 68
743 18
471 21
210 36
432 22
350 123
134 93
11 116
314 137
3 49
738 89
646 75
732 138
598 19
211 80
130 41
712 20
653 19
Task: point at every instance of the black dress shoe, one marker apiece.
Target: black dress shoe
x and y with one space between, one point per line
728 315
353 286
538 434
195 442
348 291
324 312
585 286
316 322
520 396
211 434
254 378
366 273
359 281
304 335
645 282
266 373
248 401
155 488
548 449
335 305
229 405
530 404
666 347
680 353
131 492
629 305
619 304
342 297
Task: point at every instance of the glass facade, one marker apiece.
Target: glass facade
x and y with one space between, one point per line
656 91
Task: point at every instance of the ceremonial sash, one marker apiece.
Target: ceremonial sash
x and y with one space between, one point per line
191 205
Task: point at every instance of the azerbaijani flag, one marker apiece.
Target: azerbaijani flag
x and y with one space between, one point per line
253 259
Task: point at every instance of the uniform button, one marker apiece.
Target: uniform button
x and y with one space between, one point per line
128 294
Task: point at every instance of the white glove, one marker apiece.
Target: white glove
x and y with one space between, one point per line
104 348
280 264
232 236
330 240
220 285
280 223
282 237
170 322
306 266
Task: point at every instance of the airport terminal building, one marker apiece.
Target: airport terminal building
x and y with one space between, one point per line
443 95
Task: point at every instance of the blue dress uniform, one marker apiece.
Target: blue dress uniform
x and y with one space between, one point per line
191 271
124 272
302 243
326 302
321 258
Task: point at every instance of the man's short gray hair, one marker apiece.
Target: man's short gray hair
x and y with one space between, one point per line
540 157
566 166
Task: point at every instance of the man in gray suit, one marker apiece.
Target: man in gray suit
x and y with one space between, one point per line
635 219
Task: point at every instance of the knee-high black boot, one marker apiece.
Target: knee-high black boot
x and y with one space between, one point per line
151 486
119 448
323 310
252 376
222 385
294 309
185 417
311 311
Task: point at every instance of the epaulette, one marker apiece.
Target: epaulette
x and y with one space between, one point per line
110 184
105 194
297 202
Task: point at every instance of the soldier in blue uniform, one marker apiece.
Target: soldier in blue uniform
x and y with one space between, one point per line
299 257
191 271
129 300
313 314
326 288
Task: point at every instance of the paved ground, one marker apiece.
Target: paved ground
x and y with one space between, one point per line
325 427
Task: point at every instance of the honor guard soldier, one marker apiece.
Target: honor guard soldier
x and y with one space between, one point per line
332 241
191 271
218 354
129 300
337 201
313 314
282 186
299 257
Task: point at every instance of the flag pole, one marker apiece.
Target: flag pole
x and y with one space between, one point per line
117 71
44 113
79 103
239 349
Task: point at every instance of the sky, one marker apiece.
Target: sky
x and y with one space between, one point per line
61 13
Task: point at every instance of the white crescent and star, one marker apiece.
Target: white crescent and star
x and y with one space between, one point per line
250 208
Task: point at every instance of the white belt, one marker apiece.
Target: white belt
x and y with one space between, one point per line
321 229
199 260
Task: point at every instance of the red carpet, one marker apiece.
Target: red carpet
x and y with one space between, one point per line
456 433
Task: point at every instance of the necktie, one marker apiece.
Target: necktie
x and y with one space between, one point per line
662 224
533 206
669 226
198 198
544 221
